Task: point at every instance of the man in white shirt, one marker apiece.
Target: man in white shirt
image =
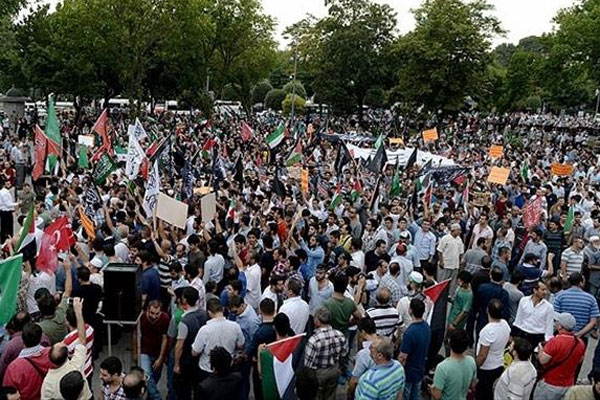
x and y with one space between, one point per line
518 379
253 276
534 321
482 230
490 350
295 308
450 249
7 208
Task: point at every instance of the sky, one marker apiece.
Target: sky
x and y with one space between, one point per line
520 18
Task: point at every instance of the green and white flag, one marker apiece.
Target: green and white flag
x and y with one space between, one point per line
379 141
295 156
525 171
103 168
569 221
277 368
83 158
10 278
337 198
53 134
275 138
27 232
396 188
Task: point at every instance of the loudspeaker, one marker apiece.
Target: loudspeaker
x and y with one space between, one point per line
122 292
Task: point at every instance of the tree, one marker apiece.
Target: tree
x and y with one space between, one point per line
445 58
375 97
346 52
274 98
231 92
260 91
288 88
299 105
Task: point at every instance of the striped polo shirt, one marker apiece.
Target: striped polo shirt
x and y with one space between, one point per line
581 305
386 319
72 340
574 260
382 382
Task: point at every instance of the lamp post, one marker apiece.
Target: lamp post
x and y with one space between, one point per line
295 47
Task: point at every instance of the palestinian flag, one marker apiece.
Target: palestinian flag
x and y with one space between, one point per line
411 160
437 301
356 190
53 135
295 156
569 221
10 278
337 198
278 368
27 232
379 160
342 158
374 203
275 138
120 153
396 188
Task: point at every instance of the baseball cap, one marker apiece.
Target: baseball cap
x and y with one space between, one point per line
566 320
404 235
455 227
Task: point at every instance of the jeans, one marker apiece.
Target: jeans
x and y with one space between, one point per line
485 384
544 391
171 376
412 391
153 376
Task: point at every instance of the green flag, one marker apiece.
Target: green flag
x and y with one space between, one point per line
569 220
276 137
379 141
53 134
525 171
396 188
83 159
10 278
103 168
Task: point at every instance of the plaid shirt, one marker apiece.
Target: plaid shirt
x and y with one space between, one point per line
118 395
325 348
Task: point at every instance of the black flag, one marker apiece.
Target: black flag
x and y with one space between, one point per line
238 171
278 186
342 158
374 204
411 160
379 161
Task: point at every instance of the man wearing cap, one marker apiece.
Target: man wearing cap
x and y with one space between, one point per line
560 358
415 291
450 249
411 251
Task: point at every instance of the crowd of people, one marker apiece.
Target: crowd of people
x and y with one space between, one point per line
404 283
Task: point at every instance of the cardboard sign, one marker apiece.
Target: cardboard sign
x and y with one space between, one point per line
496 151
208 206
480 199
430 135
86 140
397 141
294 172
304 181
562 169
202 190
498 175
172 211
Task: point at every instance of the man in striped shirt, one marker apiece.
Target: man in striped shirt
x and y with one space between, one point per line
572 258
385 316
581 305
386 379
72 340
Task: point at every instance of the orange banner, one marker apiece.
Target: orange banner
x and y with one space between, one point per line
562 169
304 180
498 175
430 135
496 151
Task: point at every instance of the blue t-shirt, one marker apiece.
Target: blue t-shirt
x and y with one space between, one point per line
415 343
151 284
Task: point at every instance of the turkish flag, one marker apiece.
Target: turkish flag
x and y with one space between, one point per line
246 132
47 259
61 234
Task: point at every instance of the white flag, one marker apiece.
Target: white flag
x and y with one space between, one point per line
152 189
135 157
137 130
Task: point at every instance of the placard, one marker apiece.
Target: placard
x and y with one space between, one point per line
171 210
562 169
208 206
396 140
304 181
430 135
202 190
86 140
498 175
496 151
294 172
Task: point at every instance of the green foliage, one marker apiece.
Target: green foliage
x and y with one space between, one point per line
231 92
274 98
445 58
300 91
197 100
533 103
375 97
346 52
260 91
299 105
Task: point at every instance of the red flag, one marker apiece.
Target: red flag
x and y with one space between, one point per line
101 129
209 144
41 143
47 259
531 213
436 290
427 197
246 132
61 233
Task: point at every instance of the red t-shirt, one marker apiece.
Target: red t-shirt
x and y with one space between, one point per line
21 375
152 333
559 348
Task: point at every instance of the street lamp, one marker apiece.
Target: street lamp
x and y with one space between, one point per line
294 44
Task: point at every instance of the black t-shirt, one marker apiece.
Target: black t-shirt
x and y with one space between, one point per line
91 295
220 388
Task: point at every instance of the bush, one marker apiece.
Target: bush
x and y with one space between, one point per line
231 92
533 102
299 105
260 91
273 99
300 90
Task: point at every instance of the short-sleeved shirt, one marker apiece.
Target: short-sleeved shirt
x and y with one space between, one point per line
582 305
151 284
217 332
573 260
559 348
152 333
363 362
341 311
494 335
462 302
382 382
415 343
55 328
453 377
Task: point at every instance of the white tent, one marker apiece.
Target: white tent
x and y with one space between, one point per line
400 156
